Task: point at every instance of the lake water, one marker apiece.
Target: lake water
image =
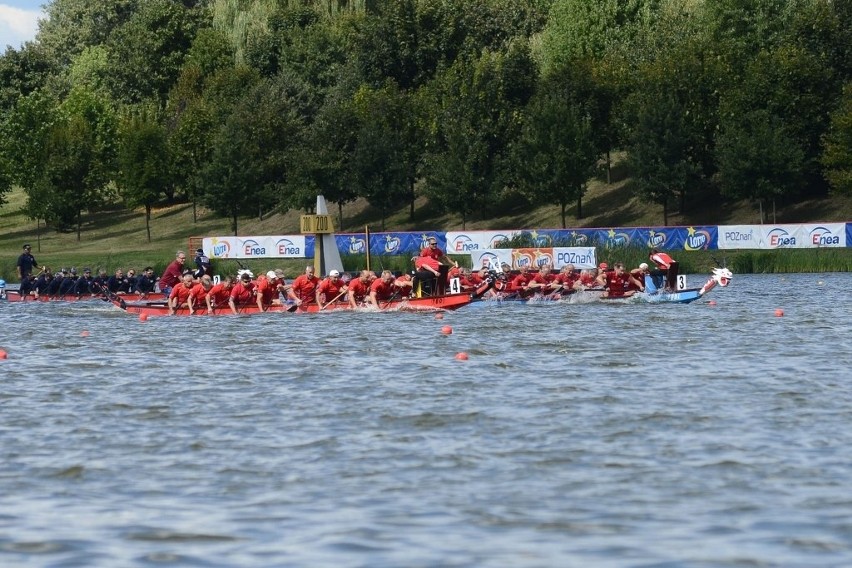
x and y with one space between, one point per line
575 435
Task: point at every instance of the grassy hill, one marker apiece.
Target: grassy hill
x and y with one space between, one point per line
117 238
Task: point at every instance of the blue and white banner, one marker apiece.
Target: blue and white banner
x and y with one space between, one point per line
282 246
763 237
557 257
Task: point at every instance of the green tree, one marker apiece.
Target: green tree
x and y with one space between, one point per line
146 52
251 152
22 72
556 154
475 117
837 157
758 159
143 160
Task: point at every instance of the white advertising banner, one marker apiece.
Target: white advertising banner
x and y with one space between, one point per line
580 257
281 246
768 237
472 241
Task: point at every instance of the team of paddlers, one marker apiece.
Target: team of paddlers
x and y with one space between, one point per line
196 289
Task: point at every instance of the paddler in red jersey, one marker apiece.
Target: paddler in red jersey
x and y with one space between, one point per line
567 278
304 287
383 289
359 288
667 265
179 296
521 282
639 275
544 282
219 294
617 282
268 289
243 292
172 275
198 294
331 289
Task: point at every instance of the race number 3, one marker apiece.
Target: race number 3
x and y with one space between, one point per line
455 286
681 281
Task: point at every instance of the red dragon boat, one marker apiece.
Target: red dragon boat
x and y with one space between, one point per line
426 303
15 296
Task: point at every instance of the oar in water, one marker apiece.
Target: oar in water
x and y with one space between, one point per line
331 302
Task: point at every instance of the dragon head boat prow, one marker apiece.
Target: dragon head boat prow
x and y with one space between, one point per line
721 277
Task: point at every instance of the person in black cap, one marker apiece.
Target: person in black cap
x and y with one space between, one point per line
68 283
202 264
84 286
26 264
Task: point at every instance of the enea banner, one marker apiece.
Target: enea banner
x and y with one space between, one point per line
557 257
281 246
767 237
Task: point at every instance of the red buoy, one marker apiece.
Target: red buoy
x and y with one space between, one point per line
779 312
461 356
446 330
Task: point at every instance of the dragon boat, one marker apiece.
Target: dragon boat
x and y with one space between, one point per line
16 296
426 303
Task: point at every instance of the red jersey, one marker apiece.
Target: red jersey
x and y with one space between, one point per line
172 275
433 253
358 289
429 261
330 288
219 295
304 287
617 284
587 279
566 279
180 293
384 290
545 281
662 260
243 292
198 293
267 289
639 276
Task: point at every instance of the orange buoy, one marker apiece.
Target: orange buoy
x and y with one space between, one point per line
779 312
446 330
3 354
84 333
143 317
461 356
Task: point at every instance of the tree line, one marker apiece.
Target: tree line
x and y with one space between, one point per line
253 106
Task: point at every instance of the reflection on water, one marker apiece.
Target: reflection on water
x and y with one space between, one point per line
576 434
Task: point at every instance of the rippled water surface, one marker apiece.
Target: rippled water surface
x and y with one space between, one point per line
575 435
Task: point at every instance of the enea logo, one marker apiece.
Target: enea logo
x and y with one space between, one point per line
221 249
779 238
822 237
498 240
391 244
696 240
357 246
542 258
656 240
286 247
489 260
253 248
520 259
614 239
463 243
